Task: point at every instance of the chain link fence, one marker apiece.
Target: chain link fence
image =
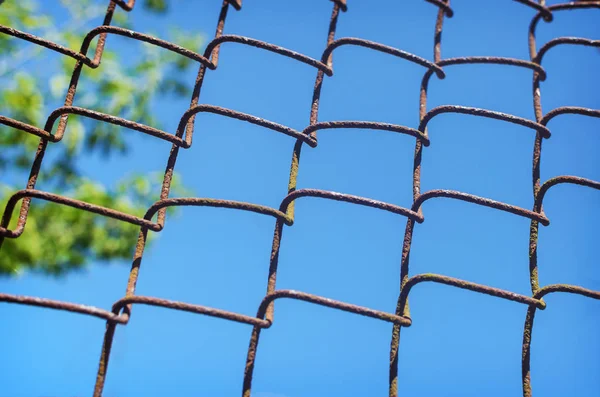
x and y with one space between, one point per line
155 217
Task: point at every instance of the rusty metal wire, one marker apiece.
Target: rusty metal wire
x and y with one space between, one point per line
120 313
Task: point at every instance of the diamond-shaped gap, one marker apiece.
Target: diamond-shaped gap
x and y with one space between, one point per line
214 257
234 160
189 352
473 243
261 83
371 163
301 26
484 331
581 22
362 77
488 158
564 342
354 253
479 28
320 351
408 27
573 148
501 88
567 248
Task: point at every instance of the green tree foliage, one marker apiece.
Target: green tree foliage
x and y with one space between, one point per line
125 86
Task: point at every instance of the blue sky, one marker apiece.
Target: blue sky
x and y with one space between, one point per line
460 343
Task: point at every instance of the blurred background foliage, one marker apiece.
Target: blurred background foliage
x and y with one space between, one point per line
121 86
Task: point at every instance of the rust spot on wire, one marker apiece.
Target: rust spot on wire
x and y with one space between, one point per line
381 48
370 125
470 198
27 128
348 198
569 110
542 129
528 328
569 179
209 202
543 11
244 117
107 118
319 300
462 284
265 46
55 198
45 43
564 41
570 6
144 38
59 305
187 307
494 60
182 138
536 215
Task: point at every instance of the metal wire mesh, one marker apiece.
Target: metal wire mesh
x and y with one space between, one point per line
154 220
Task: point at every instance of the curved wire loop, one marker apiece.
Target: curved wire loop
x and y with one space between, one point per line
69 202
528 327
542 129
381 48
463 284
569 110
45 43
564 41
217 203
185 119
100 30
544 11
564 179
494 61
348 198
217 41
126 302
145 222
570 6
167 45
470 198
327 125
107 118
331 303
